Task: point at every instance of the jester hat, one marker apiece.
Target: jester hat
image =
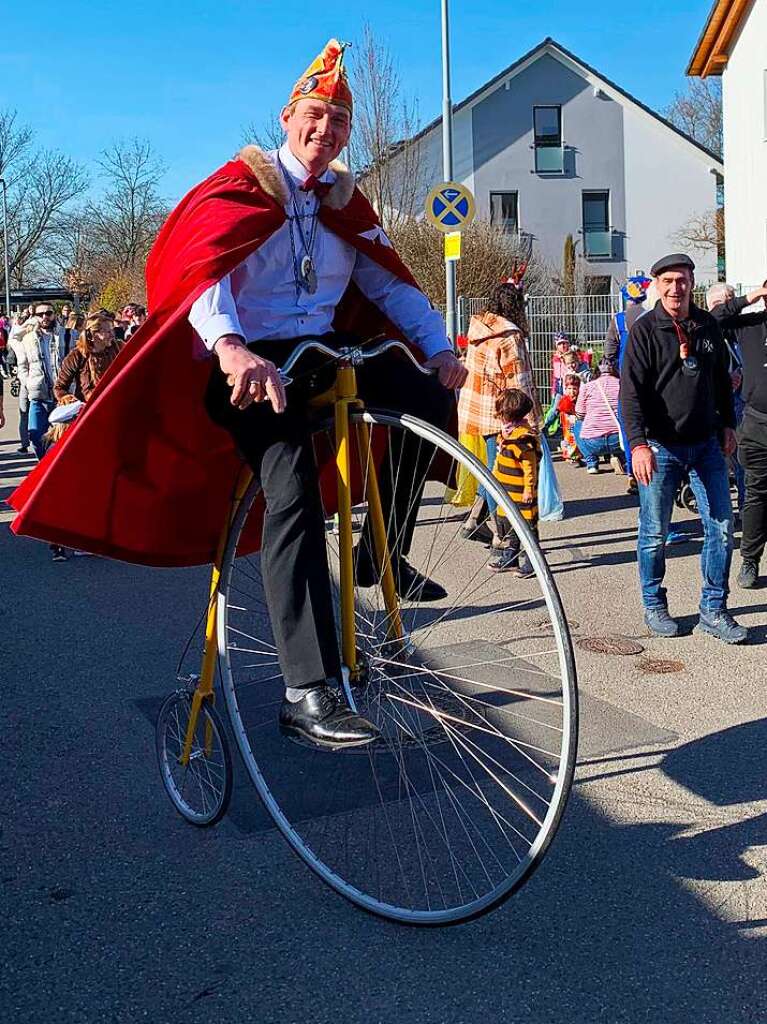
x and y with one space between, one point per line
635 288
325 78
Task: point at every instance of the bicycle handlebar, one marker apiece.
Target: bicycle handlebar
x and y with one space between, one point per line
354 354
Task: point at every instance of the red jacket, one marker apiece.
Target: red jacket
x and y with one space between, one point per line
143 474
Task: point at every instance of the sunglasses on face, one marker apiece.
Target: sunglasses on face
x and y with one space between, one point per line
44 312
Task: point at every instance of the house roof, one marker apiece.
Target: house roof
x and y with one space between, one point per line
712 50
551 46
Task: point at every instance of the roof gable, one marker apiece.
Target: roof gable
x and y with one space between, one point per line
553 48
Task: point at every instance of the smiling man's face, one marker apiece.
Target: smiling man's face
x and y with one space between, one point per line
317 132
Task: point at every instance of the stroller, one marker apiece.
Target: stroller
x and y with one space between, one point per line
685 496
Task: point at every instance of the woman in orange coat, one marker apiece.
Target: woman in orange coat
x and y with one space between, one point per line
497 358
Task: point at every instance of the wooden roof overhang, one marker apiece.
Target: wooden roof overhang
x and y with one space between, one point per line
713 48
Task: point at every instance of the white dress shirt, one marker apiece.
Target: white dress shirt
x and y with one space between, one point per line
258 300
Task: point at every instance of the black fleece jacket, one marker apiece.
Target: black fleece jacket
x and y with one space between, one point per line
663 400
749 330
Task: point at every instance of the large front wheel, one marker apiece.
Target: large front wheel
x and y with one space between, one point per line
454 806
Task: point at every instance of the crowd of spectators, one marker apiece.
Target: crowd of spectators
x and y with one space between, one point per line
58 359
663 406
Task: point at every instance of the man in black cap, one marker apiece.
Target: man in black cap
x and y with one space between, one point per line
677 404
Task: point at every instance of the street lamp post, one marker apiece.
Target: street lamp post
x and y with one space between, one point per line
447 164
5 252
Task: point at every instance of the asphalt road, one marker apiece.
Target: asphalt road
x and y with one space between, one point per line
651 905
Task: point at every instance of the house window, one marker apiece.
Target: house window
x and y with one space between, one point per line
547 129
597 237
598 284
504 211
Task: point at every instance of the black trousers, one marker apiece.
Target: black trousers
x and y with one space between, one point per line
752 453
278 449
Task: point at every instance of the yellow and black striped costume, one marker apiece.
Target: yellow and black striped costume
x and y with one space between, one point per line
516 467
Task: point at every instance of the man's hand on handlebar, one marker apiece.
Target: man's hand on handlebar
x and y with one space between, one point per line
450 370
251 378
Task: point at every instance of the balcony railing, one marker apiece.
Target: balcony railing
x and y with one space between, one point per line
549 159
597 243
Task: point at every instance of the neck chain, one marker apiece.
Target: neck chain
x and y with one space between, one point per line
304 271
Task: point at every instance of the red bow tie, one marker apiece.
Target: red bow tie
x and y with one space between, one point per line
312 184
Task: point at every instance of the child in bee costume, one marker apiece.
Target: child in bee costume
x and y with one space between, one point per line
516 467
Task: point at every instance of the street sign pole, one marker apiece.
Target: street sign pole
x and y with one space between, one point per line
447 164
5 253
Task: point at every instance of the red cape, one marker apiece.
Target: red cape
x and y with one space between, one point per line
143 474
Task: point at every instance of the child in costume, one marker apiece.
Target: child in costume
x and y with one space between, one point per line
634 293
516 467
561 346
563 407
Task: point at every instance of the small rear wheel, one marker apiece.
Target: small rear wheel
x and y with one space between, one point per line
201 789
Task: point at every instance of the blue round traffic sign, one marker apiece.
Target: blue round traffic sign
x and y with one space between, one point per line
450 206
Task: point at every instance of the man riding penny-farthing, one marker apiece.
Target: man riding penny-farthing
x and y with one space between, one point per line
435 728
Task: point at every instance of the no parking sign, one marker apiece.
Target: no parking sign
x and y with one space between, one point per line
450 207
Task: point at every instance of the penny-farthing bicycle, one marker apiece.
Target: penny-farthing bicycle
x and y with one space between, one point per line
448 813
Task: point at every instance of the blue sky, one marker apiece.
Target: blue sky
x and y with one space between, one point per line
190 75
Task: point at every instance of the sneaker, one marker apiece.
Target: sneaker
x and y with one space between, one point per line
748 577
526 570
592 469
720 623
617 465
477 531
23 449
660 623
506 561
59 555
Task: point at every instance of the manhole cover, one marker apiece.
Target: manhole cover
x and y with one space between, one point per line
609 645
660 666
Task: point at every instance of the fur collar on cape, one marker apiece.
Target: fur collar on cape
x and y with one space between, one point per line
272 182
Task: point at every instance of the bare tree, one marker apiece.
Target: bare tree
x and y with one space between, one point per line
487 255
41 186
698 112
269 136
126 220
383 150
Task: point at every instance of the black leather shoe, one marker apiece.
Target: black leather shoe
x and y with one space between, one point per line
410 584
324 719
413 586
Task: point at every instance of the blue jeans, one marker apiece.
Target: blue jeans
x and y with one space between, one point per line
592 447
491 442
38 423
707 470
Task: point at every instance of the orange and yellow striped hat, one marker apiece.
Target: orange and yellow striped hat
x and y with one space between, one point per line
325 78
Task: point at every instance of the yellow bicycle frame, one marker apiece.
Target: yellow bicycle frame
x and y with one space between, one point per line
343 397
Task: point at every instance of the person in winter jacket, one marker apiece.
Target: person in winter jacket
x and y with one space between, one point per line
40 353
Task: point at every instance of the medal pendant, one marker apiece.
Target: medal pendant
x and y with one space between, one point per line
308 275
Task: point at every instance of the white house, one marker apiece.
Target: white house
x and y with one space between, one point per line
551 147
734 45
